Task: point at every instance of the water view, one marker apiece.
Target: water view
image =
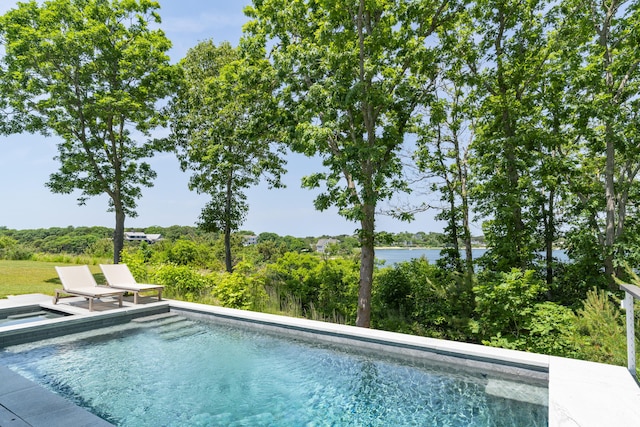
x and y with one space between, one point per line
394 256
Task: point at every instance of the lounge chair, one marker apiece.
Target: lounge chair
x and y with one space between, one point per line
119 276
78 280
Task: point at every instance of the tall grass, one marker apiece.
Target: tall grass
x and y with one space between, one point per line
291 306
71 259
287 306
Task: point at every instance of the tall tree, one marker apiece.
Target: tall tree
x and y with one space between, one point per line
508 54
90 72
555 154
223 121
444 143
352 73
443 155
605 88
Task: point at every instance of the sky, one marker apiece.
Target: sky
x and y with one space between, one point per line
26 161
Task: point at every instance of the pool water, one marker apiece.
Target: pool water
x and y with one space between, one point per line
29 316
177 371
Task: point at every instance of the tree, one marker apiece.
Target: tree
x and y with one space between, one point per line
352 73
222 124
90 72
605 90
442 154
507 53
556 150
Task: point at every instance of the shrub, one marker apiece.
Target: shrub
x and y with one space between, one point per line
601 330
243 289
505 302
136 262
181 281
102 248
183 252
432 301
337 298
511 314
293 276
10 249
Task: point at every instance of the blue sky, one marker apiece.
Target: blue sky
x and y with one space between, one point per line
26 161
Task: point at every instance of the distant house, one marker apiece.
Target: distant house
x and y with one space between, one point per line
322 244
139 236
250 240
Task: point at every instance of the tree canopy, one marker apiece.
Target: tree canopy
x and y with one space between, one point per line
90 72
351 74
223 126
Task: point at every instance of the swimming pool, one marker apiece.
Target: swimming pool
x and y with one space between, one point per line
27 314
174 370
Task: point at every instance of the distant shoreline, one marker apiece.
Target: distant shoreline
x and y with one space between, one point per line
403 247
418 247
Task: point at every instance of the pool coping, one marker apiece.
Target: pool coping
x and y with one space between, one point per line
498 361
581 393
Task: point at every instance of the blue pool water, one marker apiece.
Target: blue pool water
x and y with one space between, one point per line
176 371
28 317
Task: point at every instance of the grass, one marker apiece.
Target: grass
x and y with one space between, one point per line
30 277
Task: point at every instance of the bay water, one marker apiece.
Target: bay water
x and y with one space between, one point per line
394 256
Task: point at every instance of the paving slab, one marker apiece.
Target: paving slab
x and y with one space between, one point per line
590 394
25 403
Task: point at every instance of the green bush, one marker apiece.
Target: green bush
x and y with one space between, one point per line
511 313
601 332
181 281
505 302
433 302
243 289
184 252
337 298
102 248
293 276
136 262
324 289
11 250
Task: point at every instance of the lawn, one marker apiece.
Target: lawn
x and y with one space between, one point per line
30 277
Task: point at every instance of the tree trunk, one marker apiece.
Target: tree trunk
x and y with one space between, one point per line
227 249
549 234
227 225
461 161
367 256
468 249
610 230
453 224
604 33
118 235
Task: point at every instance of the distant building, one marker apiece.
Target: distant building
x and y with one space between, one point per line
322 244
139 236
250 240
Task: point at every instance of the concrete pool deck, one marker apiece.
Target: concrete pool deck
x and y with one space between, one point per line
581 393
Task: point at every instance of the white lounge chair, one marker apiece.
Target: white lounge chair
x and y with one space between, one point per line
78 280
119 276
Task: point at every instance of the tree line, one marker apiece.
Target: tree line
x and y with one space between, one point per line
522 116
97 241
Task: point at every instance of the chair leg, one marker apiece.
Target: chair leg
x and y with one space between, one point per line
120 300
160 295
135 297
90 304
